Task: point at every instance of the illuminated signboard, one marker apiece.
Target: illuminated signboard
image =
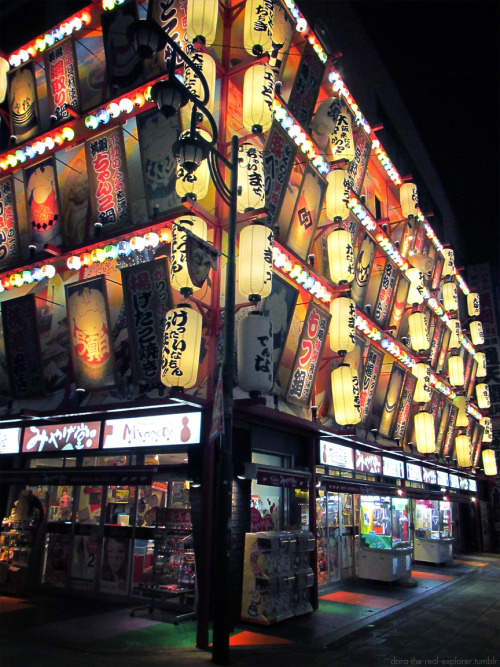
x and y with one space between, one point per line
393 467
442 478
366 462
472 485
177 429
9 236
454 481
429 476
61 437
61 71
463 483
413 472
371 372
336 455
9 440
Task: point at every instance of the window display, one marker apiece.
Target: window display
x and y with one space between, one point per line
433 531
384 523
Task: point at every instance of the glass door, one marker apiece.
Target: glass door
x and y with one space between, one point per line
327 525
347 535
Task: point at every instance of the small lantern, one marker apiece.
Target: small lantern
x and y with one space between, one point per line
423 391
193 184
464 451
179 274
342 325
326 116
489 463
340 257
416 291
476 333
258 96
251 187
488 429
462 417
450 297
255 353
418 330
74 263
456 370
255 265
181 347
424 432
409 199
201 20
337 194
480 358
473 305
345 392
137 244
456 333
483 396
258 27
449 262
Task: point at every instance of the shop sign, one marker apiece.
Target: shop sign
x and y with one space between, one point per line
82 477
385 293
285 480
338 456
429 476
404 406
413 472
279 155
61 72
472 484
9 235
371 463
9 440
306 213
306 364
42 202
454 481
393 467
463 483
442 478
371 372
182 428
170 15
61 437
306 86
359 163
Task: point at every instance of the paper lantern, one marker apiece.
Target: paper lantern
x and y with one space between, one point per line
476 333
416 291
464 451
480 358
418 330
251 187
337 194
483 396
137 244
255 262
456 370
425 438
340 256
473 305
489 463
258 96
488 429
326 116
450 297
341 139
456 333
449 262
255 353
342 325
192 81
193 184
181 347
179 274
258 27
74 263
409 199
345 392
201 20
462 416
423 390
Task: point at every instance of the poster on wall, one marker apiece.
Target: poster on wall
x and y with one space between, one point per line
108 179
310 349
391 401
279 306
22 347
147 298
83 562
279 154
61 72
114 570
373 366
359 163
124 66
306 86
10 250
404 407
42 202
386 290
23 104
306 212
90 334
362 271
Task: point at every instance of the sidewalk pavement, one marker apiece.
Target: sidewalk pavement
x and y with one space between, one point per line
51 631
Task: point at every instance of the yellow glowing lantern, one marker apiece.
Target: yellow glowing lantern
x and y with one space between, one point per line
409 199
193 184
192 81
98 255
464 451
425 438
418 330
181 347
340 256
462 417
423 390
456 370
483 396
326 116
258 96
258 27
255 262
255 353
489 463
449 262
476 333
480 358
179 274
345 392
416 291
488 429
342 325
450 297
201 20
251 187
473 305
337 195
137 243
456 333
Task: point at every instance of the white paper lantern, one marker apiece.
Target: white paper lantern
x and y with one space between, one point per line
490 463
456 370
450 297
192 81
483 396
258 27
480 358
418 329
345 392
337 194
258 96
341 139
416 290
179 274
476 333
456 333
251 186
255 353
201 20
488 429
473 304
342 325
181 347
462 416
409 199
423 389
425 438
464 451
255 261
326 116
449 262
340 256
196 183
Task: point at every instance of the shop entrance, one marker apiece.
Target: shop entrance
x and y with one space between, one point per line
336 528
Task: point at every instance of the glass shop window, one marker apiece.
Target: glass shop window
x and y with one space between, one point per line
120 505
89 505
266 502
60 503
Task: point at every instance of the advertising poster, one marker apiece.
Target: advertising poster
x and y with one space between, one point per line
61 437
42 202
279 306
391 402
108 179
147 298
90 334
124 66
306 213
373 366
279 154
10 250
57 559
114 570
83 562
22 347
359 163
61 71
306 86
23 104
404 407
362 271
386 290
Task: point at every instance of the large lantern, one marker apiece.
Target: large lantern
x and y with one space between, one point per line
462 417
483 396
416 290
342 325
488 429
337 194
345 392
464 453
480 358
255 262
456 370
489 463
409 199
258 27
473 306
423 390
192 81
195 183
418 330
340 256
251 188
450 297
456 333
425 437
326 116
258 96
201 20
449 262
476 333
255 353
181 347
179 274
341 139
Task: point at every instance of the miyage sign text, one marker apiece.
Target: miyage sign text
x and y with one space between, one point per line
160 431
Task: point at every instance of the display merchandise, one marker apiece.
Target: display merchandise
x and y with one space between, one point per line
433 526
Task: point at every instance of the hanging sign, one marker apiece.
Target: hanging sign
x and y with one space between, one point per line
338 456
450 433
61 71
124 66
61 437
404 407
308 356
9 235
201 256
454 481
429 476
362 271
170 15
399 305
306 213
436 278
9 440
23 104
386 290
435 341
373 366
359 163
279 154
42 202
306 86
370 463
393 467
280 306
182 428
413 472
442 478
391 401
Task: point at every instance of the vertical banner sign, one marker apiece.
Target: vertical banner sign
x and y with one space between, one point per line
391 401
9 234
469 361
373 366
341 140
61 71
385 293
108 179
171 16
22 347
359 163
436 278
147 299
23 104
279 155
42 202
435 340
364 263
399 305
306 364
404 407
306 86
91 342
433 404
442 425
124 66
306 213
450 433
419 238
280 306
